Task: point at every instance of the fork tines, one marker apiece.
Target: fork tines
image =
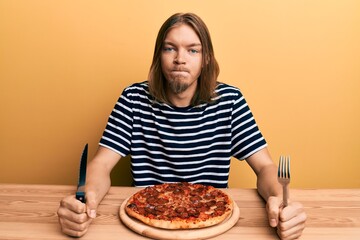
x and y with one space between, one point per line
284 177
284 167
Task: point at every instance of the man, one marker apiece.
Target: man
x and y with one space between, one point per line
182 125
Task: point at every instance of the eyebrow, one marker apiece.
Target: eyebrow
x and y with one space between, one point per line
190 45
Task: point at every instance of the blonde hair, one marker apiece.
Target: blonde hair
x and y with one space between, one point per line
209 73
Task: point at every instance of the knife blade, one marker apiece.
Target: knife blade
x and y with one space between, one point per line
80 192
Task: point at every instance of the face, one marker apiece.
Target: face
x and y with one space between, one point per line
181 60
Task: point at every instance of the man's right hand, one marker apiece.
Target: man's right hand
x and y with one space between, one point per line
74 216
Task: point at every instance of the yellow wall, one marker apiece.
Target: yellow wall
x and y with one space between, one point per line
63 65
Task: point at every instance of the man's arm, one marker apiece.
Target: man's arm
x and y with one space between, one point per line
75 216
98 180
290 221
266 172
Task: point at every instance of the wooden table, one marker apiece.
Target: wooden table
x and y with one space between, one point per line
29 212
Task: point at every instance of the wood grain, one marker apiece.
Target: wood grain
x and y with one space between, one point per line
29 212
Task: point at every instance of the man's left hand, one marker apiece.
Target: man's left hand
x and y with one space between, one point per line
289 221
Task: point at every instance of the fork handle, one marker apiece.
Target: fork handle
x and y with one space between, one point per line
285 195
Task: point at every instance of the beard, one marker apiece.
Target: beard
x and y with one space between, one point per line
177 86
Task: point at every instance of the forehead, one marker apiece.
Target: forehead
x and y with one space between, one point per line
182 33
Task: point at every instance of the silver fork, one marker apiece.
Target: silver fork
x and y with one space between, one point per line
284 177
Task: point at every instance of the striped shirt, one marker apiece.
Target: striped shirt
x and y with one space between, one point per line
176 144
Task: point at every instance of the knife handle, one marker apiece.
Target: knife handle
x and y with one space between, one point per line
80 196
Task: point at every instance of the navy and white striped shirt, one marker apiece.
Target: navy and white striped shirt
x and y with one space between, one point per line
172 144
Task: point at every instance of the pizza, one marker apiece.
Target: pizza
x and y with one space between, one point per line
180 206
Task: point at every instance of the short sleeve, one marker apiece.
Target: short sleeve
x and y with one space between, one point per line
118 131
246 136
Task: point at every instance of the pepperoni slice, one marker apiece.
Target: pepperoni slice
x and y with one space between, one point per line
151 200
193 212
211 203
195 199
208 196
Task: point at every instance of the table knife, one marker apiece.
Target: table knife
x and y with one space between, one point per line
80 193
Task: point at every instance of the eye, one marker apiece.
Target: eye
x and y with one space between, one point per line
194 51
168 49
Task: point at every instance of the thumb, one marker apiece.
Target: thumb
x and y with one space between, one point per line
91 204
273 209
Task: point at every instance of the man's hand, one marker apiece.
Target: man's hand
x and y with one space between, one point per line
289 221
75 216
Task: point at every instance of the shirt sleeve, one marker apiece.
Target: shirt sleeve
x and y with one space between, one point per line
118 131
246 136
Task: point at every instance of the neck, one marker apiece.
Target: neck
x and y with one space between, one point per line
180 100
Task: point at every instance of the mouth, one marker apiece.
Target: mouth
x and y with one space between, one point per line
179 73
180 70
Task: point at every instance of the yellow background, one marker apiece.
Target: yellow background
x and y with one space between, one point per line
63 65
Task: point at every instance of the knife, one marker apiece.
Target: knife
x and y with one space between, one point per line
80 193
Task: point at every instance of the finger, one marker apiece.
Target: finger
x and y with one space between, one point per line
273 209
65 213
295 222
78 227
292 210
73 204
290 234
73 233
91 204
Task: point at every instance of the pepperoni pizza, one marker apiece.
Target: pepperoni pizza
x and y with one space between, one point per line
180 206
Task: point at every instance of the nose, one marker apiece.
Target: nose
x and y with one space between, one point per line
180 57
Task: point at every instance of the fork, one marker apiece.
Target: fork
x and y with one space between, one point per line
284 177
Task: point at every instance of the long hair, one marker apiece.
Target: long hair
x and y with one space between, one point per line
210 70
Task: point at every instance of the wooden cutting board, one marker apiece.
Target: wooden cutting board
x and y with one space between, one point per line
191 234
